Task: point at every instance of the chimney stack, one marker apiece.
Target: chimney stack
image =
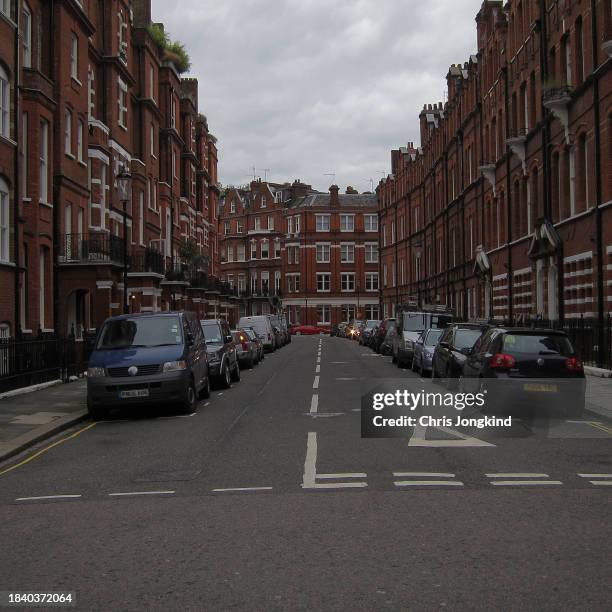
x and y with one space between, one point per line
333 192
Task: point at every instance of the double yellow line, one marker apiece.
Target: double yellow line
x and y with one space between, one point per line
601 426
47 448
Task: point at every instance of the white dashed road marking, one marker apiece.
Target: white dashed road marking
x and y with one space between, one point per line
134 493
596 481
314 404
47 497
315 384
231 489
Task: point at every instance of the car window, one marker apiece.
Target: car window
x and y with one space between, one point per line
465 338
433 337
545 344
140 332
413 321
486 342
212 332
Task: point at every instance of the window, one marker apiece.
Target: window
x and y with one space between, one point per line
27 37
74 57
297 224
5 7
347 253
240 252
253 250
322 223
173 164
41 287
323 314
240 228
91 77
43 157
242 281
172 112
323 253
265 249
152 139
257 224
121 38
122 103
323 281
277 248
232 206
579 51
4 221
371 312
226 228
5 101
371 223
270 222
371 281
151 82
25 139
141 220
67 132
263 200
289 225
371 252
80 131
347 223
277 282
230 253
347 281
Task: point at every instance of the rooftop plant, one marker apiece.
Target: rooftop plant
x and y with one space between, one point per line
173 50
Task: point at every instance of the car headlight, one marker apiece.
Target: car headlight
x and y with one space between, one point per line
95 372
173 366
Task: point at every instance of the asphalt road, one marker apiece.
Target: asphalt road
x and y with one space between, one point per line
267 498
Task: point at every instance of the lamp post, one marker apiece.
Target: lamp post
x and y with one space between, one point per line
124 186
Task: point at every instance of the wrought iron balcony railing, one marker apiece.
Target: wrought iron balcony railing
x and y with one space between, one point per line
99 248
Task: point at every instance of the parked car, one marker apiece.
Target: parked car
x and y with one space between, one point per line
410 324
279 333
252 334
367 330
342 330
424 349
452 350
262 325
381 334
309 330
222 356
517 356
386 345
246 349
142 359
354 329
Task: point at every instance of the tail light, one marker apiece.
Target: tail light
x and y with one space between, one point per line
573 364
502 361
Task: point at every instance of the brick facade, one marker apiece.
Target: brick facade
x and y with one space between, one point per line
92 93
504 210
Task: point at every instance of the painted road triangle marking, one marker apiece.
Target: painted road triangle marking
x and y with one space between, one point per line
461 440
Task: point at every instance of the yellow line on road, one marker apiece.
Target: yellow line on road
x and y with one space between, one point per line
44 450
601 426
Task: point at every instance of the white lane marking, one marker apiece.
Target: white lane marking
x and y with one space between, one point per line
513 483
345 475
315 384
418 439
601 483
220 394
427 483
47 497
207 404
335 362
242 489
129 493
177 416
321 415
516 475
310 470
318 368
314 404
424 474
346 378
595 475
319 359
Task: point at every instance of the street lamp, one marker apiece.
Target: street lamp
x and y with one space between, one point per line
124 187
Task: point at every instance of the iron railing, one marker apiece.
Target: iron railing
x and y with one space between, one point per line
91 249
148 261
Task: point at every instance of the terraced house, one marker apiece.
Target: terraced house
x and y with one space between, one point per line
503 211
91 91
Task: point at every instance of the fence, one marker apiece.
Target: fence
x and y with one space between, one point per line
31 362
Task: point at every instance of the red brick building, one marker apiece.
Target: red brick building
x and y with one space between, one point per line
330 258
504 210
86 90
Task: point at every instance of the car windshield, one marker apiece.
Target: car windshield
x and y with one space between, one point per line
414 321
545 344
141 332
250 333
371 324
212 332
433 337
465 338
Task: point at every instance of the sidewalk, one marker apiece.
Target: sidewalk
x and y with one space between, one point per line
599 396
30 417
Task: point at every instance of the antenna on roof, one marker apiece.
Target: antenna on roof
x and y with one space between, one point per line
332 174
265 171
253 173
371 181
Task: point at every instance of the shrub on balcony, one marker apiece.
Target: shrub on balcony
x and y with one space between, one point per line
173 50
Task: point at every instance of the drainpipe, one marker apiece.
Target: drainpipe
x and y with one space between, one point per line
16 185
598 189
545 112
56 200
508 196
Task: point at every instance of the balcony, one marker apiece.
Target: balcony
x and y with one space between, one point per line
177 273
556 99
488 171
516 141
148 262
90 249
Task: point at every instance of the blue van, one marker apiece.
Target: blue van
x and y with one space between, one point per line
148 358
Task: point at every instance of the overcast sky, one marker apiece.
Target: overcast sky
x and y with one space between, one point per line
310 87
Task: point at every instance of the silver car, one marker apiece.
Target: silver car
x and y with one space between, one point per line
424 350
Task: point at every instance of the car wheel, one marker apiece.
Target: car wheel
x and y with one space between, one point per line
236 372
205 390
226 378
190 403
96 413
413 367
250 363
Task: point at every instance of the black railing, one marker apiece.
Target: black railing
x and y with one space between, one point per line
556 92
149 261
91 248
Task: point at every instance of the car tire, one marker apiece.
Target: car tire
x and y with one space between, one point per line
190 403
205 390
236 373
226 378
250 363
413 367
96 413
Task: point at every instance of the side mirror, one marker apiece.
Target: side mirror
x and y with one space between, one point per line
444 345
229 339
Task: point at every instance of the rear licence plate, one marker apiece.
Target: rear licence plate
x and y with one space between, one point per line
134 393
540 388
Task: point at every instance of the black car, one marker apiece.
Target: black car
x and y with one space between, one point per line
452 350
538 368
222 356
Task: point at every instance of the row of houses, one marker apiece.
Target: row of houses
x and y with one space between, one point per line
504 209
92 92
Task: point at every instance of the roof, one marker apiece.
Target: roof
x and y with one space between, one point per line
346 200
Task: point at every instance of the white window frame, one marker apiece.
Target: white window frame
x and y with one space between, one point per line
241 251
325 315
347 252
91 92
323 282
152 82
80 135
371 223
277 248
371 252
68 132
152 140
27 36
43 162
347 222
265 249
25 146
345 282
122 90
4 221
74 57
271 222
322 223
371 281
5 104
323 252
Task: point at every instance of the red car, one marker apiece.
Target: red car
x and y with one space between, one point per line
308 330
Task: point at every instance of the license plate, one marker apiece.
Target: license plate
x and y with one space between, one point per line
540 388
134 393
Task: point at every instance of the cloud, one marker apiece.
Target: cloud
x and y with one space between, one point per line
308 87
